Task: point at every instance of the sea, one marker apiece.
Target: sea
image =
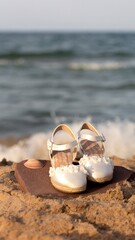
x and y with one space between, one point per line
52 78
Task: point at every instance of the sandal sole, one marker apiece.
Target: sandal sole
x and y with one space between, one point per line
67 189
101 180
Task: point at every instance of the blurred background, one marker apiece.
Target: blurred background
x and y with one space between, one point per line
65 61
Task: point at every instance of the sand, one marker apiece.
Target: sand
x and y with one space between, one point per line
109 215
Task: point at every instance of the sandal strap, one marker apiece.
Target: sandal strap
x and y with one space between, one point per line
65 128
60 147
98 138
90 127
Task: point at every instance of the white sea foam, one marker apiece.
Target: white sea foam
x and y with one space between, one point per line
8 62
75 66
120 138
96 66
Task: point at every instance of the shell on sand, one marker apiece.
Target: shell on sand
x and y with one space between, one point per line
33 164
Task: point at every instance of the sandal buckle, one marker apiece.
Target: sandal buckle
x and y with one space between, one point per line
103 138
49 145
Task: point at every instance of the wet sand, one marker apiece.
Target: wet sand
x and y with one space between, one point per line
109 215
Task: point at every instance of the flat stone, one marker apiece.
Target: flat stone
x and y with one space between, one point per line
37 181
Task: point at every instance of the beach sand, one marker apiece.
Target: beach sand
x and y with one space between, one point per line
109 215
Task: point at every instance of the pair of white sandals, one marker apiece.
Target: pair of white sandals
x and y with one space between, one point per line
69 175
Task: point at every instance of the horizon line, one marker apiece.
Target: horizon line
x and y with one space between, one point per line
65 31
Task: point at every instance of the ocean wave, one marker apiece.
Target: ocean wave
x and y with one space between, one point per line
37 55
61 53
116 86
96 66
118 54
120 137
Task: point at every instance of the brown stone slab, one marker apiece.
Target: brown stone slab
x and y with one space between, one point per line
37 181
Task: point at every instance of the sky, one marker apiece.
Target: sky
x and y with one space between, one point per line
67 15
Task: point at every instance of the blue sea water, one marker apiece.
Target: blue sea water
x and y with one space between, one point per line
51 78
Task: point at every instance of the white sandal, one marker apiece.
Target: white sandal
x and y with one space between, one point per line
64 175
99 167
